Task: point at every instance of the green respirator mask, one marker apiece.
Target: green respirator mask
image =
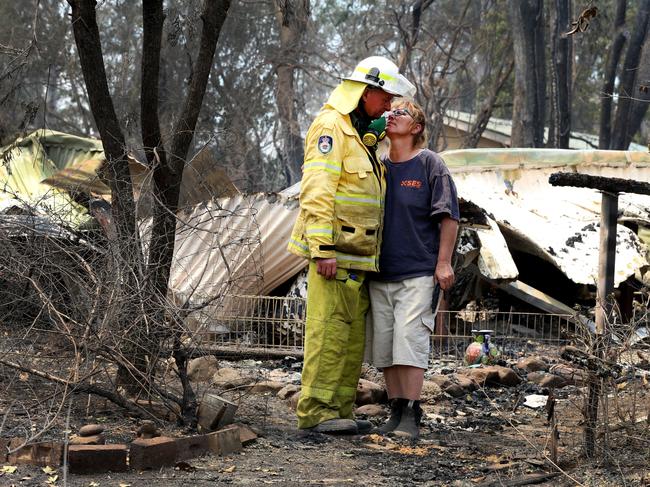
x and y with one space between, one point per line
375 132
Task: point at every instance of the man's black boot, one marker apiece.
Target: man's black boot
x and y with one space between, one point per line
396 405
409 425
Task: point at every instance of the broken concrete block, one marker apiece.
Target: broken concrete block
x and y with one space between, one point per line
532 364
371 411
225 441
202 369
91 430
246 434
549 381
191 447
97 458
287 391
44 453
267 386
215 412
88 440
153 453
369 393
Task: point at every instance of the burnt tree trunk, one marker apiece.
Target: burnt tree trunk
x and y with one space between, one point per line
527 20
560 67
621 133
641 93
292 17
611 65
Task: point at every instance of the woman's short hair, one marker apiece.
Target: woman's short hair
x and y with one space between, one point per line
419 139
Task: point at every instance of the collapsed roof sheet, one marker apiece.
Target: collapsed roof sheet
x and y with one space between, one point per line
558 224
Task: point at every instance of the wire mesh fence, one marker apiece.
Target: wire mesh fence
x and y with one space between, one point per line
276 325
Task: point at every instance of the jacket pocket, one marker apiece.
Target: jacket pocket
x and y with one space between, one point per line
358 165
356 235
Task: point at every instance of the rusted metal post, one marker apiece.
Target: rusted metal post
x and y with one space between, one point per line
610 188
606 260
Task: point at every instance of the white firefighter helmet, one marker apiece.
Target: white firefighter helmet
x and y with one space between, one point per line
382 73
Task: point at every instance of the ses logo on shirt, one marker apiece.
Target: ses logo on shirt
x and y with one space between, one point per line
411 183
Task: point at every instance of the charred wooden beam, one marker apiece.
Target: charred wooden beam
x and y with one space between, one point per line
608 185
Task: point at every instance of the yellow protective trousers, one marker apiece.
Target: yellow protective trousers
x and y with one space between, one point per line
335 333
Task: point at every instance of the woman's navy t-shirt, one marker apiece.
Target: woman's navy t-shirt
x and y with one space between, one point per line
418 193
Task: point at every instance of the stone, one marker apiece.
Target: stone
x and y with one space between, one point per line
467 383
246 434
430 391
202 369
571 375
228 378
91 430
43 454
267 386
215 412
370 393
225 441
191 447
371 411
455 390
506 376
146 453
169 411
147 429
293 400
289 390
481 375
4 449
532 364
549 381
88 440
97 458
443 381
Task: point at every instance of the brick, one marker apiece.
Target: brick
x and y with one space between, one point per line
191 447
153 453
97 458
225 441
43 453
88 440
246 434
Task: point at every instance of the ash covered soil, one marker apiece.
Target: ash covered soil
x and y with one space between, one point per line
483 437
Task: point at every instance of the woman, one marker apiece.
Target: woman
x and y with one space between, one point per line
420 226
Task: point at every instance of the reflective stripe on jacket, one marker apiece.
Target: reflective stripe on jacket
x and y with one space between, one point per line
341 197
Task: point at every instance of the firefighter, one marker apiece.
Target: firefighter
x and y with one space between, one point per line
339 230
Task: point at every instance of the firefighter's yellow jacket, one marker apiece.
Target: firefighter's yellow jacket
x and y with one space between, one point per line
342 190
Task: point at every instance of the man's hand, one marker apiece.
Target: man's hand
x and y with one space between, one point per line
445 275
326 267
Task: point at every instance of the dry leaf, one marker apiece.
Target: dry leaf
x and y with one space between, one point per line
52 479
8 469
23 376
48 470
124 485
93 484
229 469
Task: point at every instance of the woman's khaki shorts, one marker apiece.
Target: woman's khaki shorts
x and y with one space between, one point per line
396 332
